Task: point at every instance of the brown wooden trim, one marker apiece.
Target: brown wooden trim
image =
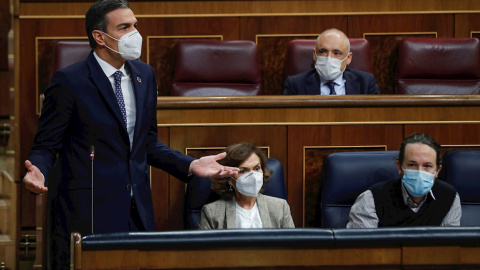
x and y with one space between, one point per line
318 101
76 251
260 7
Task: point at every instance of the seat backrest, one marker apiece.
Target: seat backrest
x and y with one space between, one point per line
462 170
199 193
347 174
300 55
69 52
438 66
66 53
216 68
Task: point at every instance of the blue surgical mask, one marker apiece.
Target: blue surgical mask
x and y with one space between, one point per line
417 182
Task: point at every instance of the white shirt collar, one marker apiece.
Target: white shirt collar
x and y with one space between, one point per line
338 81
409 202
108 69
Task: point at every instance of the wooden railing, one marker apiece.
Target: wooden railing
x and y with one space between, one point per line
7 220
395 248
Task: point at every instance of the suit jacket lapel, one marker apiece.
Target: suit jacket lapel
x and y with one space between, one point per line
140 92
231 214
312 84
263 210
352 87
105 88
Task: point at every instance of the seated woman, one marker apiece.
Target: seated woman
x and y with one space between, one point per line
242 205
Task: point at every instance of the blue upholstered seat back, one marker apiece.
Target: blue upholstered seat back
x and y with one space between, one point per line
462 170
347 174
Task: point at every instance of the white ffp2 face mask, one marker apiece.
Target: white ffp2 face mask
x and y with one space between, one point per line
250 183
329 68
129 45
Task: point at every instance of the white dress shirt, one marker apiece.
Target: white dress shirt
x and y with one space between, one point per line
127 91
247 219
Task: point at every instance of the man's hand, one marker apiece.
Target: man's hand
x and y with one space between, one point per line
208 167
34 180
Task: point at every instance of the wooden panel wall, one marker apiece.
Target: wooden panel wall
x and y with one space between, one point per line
254 7
269 23
5 24
465 26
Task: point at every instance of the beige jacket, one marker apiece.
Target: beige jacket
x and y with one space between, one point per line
221 214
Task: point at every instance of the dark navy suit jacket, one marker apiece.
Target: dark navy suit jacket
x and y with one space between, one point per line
80 110
308 83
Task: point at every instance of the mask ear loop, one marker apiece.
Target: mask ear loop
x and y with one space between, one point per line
344 60
113 39
110 36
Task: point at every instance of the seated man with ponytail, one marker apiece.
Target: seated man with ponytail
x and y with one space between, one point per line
417 199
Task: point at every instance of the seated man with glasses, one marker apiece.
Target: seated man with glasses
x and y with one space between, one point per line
416 199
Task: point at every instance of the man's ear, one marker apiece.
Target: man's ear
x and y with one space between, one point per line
399 167
349 58
438 171
98 36
314 56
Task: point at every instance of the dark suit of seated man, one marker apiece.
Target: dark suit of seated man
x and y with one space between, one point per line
330 75
417 199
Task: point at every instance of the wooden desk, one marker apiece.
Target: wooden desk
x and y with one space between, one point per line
281 249
315 110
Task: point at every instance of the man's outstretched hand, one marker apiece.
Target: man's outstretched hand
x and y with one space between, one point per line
208 167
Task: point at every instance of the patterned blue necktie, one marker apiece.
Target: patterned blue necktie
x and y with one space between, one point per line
331 85
119 95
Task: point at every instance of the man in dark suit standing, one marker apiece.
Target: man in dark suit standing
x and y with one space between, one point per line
106 103
330 75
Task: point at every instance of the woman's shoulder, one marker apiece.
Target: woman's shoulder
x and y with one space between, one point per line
271 199
220 203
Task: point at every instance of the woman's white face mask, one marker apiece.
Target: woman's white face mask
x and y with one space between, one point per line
250 183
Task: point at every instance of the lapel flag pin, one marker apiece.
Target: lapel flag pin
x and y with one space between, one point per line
139 79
